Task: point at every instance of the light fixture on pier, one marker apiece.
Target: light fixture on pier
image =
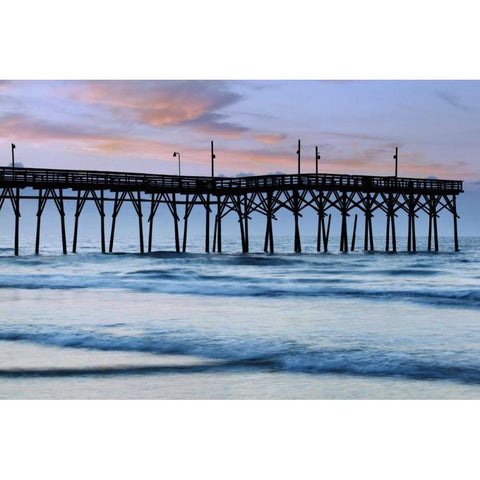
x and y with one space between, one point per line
176 154
298 156
395 157
13 155
317 158
212 158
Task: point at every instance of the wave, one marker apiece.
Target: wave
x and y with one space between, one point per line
273 354
224 285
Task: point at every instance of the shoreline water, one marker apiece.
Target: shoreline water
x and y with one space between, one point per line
241 326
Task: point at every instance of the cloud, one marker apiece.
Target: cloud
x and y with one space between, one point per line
164 103
213 124
453 101
270 138
90 140
357 136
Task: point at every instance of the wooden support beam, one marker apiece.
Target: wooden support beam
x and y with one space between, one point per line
455 230
62 220
39 220
435 226
214 244
365 238
409 235
414 239
296 213
150 223
207 224
343 232
319 231
430 218
394 236
387 236
140 222
175 223
17 220
219 226
185 224
42 200
354 234
370 226
102 220
80 203
116 208
238 208
245 205
269 244
327 234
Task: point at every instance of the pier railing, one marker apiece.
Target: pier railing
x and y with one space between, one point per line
39 178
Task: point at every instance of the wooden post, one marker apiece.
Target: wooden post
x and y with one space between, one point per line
150 223
140 223
245 201
62 220
17 219
39 219
185 227
268 245
354 233
207 218
387 237
409 238
175 223
414 240
219 226
435 227
327 235
365 239
430 210
240 221
214 244
319 231
298 246
370 226
267 236
320 211
394 237
114 219
102 220
342 233
455 232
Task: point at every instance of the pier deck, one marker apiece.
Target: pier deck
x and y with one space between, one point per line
242 196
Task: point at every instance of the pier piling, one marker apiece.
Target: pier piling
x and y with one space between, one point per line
264 195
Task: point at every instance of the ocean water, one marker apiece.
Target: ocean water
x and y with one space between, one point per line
232 325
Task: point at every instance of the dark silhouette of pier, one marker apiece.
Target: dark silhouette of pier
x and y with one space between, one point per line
240 196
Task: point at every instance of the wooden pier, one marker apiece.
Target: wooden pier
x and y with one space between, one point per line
239 196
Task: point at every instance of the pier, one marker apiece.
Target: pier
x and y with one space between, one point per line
326 194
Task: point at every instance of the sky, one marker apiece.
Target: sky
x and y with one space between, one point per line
255 125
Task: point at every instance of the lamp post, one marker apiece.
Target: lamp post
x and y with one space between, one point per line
395 157
212 159
298 157
13 156
317 158
176 154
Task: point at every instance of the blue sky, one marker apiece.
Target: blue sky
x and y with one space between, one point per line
136 125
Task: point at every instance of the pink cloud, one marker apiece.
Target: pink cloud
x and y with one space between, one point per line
270 138
164 103
88 141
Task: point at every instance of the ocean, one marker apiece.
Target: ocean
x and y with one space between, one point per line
239 326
